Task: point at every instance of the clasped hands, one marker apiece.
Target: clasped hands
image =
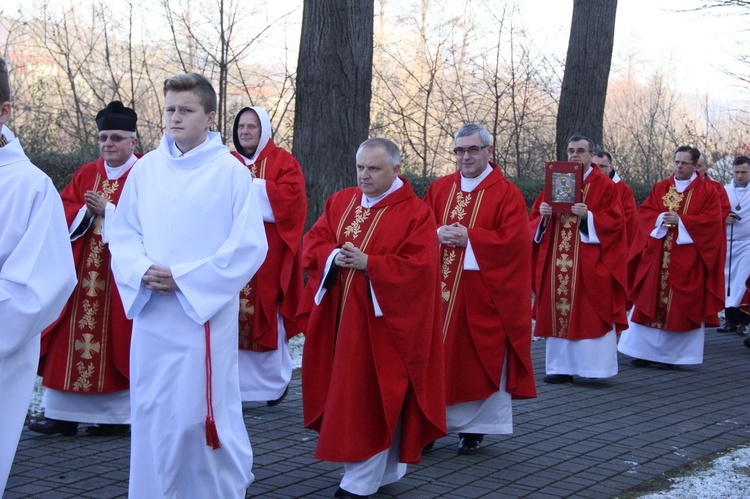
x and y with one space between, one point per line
351 257
454 234
670 218
159 279
95 203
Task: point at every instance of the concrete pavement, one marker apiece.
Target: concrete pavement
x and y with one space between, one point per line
592 439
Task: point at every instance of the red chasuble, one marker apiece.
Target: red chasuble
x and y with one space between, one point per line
87 350
483 310
278 283
580 287
629 210
360 373
678 286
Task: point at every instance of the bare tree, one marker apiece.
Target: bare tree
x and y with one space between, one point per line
332 113
584 86
213 42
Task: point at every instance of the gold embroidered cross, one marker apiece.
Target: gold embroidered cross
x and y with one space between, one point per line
92 284
564 262
566 219
563 306
246 310
87 345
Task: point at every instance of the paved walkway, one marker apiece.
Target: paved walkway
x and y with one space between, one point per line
594 439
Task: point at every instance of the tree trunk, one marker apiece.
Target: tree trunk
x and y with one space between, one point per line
332 113
584 85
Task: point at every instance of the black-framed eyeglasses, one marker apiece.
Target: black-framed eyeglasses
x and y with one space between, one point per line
580 150
114 138
460 151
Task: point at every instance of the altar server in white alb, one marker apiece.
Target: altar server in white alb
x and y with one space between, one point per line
737 267
37 276
186 237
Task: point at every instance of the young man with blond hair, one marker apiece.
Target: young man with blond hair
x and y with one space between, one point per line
186 237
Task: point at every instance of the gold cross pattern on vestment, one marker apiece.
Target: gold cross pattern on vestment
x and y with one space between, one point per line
92 284
87 345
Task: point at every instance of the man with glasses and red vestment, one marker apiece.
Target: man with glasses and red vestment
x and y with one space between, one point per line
579 275
675 269
482 228
84 361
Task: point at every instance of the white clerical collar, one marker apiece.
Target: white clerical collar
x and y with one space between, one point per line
176 153
587 172
113 173
681 185
616 178
368 202
469 184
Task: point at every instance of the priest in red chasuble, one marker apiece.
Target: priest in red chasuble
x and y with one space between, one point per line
482 228
85 355
579 275
675 269
603 160
269 302
372 369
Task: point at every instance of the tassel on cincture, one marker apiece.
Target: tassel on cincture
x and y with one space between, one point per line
212 436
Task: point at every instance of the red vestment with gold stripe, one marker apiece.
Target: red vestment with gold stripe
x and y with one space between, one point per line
362 372
483 310
580 287
87 350
679 286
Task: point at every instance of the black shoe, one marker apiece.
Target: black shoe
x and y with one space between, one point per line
742 330
469 443
667 367
342 493
105 430
52 426
273 403
428 448
556 379
727 327
640 363
747 342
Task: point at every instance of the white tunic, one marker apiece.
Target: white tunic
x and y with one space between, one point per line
738 245
37 276
197 215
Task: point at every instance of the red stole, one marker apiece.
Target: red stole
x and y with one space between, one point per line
564 278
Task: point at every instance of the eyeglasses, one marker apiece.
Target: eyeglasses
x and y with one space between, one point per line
473 150
602 165
114 138
580 150
683 163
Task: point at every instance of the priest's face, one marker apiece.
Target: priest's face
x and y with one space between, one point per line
248 131
186 119
741 174
116 146
603 163
580 152
683 166
374 174
472 156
